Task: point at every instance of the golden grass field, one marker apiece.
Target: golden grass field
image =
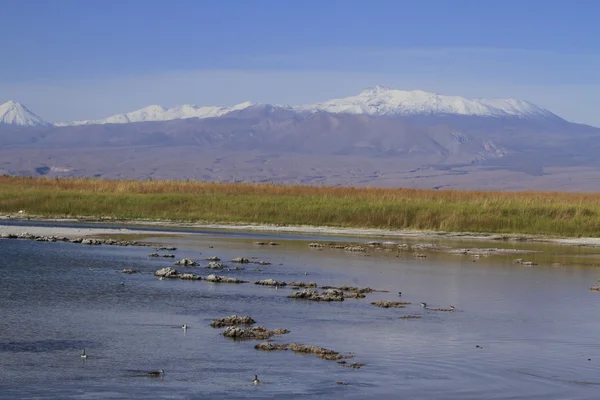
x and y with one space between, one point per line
541 213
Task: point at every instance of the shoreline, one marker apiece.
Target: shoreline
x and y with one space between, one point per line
303 229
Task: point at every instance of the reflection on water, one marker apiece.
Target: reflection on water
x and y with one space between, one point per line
537 327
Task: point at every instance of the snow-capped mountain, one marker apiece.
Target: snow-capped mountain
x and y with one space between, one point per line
159 113
383 101
15 113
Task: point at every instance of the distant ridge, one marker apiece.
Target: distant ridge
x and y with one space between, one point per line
159 113
380 100
375 101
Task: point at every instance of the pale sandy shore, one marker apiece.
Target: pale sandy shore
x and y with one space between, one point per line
315 230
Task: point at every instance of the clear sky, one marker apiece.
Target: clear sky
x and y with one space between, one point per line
88 59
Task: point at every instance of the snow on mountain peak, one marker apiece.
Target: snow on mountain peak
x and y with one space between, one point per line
160 113
380 100
15 113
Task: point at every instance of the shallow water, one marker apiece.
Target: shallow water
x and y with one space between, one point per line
538 326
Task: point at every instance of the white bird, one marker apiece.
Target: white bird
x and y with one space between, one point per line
256 381
83 355
184 327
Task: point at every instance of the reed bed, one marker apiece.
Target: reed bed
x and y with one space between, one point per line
542 213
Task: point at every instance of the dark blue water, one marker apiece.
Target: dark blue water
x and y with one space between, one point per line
538 326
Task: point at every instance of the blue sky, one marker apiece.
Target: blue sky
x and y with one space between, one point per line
89 59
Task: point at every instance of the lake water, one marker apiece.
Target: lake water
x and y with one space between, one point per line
538 326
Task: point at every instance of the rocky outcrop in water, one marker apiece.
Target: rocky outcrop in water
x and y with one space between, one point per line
327 295
240 260
302 284
266 243
167 272
223 279
213 259
216 265
390 304
167 248
232 320
270 282
320 352
189 277
129 271
186 262
409 317
256 332
161 255
354 295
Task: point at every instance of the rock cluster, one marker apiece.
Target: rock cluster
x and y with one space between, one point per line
83 240
302 284
327 295
270 282
232 320
161 255
216 265
170 272
240 260
223 279
390 304
186 262
301 348
256 332
129 271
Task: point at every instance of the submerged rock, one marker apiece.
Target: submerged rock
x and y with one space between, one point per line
270 282
354 295
523 262
355 365
320 352
129 271
257 332
186 262
232 320
595 288
240 260
390 304
223 279
358 249
165 248
167 272
409 317
360 290
213 259
327 295
303 284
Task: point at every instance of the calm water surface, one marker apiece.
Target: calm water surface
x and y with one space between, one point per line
538 326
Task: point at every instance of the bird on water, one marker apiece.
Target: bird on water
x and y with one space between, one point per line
160 372
83 355
256 381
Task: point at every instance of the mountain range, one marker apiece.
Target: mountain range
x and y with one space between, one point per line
380 137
